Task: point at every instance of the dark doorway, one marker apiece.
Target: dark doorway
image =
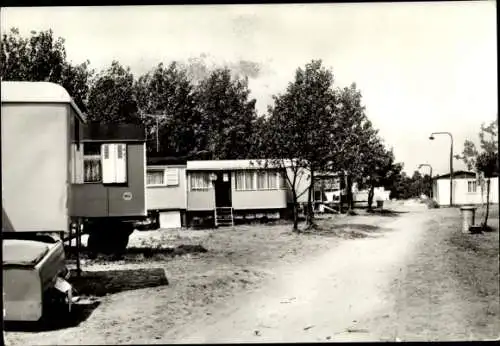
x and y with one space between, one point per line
223 190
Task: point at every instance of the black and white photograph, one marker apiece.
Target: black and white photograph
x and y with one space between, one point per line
250 173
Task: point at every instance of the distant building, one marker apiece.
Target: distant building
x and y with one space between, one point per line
466 189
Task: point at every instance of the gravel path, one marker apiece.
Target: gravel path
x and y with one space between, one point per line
328 298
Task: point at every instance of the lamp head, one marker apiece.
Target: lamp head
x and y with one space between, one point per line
431 137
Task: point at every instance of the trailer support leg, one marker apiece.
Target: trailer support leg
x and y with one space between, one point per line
69 240
78 247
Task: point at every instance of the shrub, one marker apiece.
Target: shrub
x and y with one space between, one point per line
432 204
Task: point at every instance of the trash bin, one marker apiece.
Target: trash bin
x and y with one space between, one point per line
468 217
380 204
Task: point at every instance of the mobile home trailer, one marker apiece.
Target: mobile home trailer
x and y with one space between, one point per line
110 184
40 124
226 191
167 191
232 190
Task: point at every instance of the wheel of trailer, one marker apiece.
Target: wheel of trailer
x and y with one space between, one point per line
110 238
121 237
95 241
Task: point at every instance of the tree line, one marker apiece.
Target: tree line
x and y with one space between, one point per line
315 123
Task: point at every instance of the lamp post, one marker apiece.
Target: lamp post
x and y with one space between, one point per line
157 117
431 137
427 165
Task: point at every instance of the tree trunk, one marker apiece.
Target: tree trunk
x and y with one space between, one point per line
295 213
371 192
487 202
310 209
350 199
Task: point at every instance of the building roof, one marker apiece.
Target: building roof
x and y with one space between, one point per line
457 175
37 92
220 165
165 161
113 132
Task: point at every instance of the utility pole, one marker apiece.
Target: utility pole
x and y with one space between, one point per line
431 137
157 117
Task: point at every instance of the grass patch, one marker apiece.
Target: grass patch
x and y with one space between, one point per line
477 263
450 290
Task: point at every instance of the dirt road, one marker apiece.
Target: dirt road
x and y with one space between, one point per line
329 298
410 276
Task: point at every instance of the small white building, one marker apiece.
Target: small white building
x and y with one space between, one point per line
361 196
466 189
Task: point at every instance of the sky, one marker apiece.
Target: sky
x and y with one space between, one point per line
421 67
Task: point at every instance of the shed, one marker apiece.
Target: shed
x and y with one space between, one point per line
466 189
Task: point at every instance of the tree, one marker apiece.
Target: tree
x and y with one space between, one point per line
353 137
112 98
416 185
227 115
377 168
76 80
41 57
401 186
392 178
259 135
302 126
167 91
485 160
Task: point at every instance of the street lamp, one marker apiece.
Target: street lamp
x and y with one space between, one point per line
426 164
157 117
431 137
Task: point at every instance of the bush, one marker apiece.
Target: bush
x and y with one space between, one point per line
432 204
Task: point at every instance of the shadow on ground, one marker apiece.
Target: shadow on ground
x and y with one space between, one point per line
101 283
88 286
348 230
138 253
385 212
55 319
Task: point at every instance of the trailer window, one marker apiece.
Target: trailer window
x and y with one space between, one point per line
283 181
272 180
156 177
92 167
200 181
246 180
262 181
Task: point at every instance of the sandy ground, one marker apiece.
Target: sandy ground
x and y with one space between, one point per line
366 278
449 288
327 298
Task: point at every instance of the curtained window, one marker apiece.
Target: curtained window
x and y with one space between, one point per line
199 181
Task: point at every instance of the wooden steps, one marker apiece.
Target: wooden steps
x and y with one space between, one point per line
224 216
